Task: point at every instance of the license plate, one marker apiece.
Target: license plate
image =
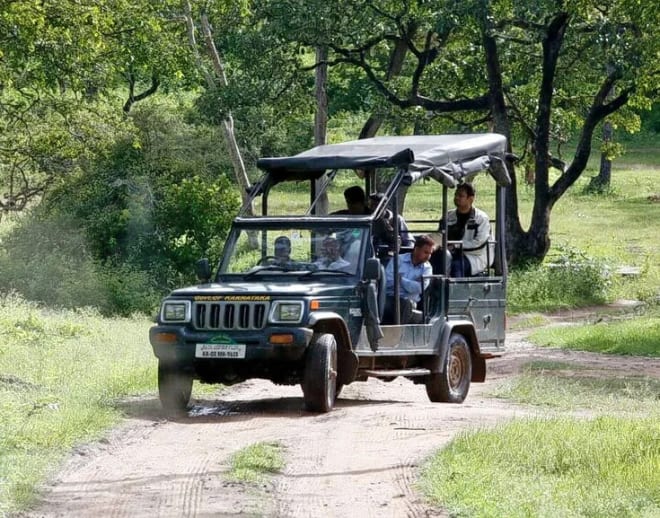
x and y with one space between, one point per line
220 351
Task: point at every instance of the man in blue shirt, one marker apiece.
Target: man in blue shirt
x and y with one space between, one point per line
413 267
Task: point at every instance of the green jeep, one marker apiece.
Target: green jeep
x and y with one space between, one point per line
279 308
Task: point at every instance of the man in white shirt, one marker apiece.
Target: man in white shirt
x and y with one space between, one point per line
413 268
331 258
470 226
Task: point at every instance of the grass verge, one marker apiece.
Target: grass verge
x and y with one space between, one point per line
639 336
256 462
569 388
559 467
61 374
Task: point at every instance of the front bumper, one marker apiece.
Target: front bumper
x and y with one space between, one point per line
177 344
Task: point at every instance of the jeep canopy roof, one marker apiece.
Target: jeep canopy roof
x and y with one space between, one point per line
447 158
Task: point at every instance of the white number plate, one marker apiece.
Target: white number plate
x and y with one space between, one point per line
220 351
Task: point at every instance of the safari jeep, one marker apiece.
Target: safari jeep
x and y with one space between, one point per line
273 309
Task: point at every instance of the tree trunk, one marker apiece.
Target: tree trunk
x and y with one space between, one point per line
601 182
228 124
321 117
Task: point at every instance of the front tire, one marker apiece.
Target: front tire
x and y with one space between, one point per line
320 378
452 385
174 388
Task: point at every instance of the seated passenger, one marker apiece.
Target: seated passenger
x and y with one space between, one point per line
356 202
471 226
331 258
413 268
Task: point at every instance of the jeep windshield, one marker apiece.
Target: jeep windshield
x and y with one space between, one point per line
293 250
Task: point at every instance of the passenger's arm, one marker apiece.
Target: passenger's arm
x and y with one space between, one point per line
428 271
412 286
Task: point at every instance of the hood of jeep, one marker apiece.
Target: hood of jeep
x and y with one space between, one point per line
245 291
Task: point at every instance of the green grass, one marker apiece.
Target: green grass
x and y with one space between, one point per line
639 336
61 374
255 462
608 466
605 467
574 388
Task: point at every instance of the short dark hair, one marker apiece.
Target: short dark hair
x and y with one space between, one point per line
424 240
282 241
355 194
468 188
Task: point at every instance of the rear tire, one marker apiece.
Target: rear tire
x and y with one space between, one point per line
320 379
452 385
174 388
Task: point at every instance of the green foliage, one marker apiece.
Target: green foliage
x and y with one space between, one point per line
129 224
572 279
160 201
61 376
193 217
606 467
48 260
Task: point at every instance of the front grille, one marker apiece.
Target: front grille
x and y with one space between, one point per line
230 315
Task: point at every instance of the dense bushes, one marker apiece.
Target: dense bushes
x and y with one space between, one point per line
130 224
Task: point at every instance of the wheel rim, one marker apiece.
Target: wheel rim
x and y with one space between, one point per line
456 369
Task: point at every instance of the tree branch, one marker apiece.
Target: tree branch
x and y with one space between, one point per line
132 98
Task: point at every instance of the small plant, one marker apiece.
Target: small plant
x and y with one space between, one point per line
253 463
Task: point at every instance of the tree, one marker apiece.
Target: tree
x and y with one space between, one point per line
538 73
58 59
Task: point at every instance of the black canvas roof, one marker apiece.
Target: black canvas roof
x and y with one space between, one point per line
441 156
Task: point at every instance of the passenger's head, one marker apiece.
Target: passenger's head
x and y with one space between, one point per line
331 248
356 200
464 197
282 248
423 249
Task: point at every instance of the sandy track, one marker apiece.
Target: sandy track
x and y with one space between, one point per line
362 459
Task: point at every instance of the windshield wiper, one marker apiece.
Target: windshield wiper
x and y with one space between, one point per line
325 270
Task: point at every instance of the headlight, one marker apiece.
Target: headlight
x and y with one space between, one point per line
286 312
175 311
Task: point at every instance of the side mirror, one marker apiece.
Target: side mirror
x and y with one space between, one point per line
203 270
372 269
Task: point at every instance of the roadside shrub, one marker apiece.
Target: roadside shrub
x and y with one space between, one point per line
48 260
570 279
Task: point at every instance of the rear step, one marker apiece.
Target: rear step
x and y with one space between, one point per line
383 373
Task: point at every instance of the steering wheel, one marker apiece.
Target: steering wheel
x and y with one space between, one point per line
265 260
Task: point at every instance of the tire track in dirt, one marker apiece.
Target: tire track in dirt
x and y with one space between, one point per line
362 459
373 450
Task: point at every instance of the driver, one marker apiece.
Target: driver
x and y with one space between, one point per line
282 251
330 256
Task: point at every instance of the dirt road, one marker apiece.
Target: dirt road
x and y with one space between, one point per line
361 459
